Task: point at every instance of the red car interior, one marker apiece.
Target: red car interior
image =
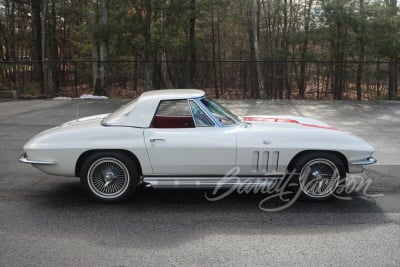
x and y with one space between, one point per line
172 122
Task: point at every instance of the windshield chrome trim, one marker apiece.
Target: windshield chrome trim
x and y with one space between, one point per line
211 115
216 122
205 112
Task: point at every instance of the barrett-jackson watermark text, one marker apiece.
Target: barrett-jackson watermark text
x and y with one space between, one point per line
286 189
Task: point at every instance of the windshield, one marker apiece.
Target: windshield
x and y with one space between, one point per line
222 114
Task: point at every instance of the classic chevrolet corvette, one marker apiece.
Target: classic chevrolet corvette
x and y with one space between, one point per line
182 138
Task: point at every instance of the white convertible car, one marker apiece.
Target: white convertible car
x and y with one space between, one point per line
182 138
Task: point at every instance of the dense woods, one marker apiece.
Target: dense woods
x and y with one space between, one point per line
280 49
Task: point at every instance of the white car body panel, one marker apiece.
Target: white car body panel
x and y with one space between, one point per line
275 146
191 151
66 143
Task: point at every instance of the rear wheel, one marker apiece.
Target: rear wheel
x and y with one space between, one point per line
109 176
319 175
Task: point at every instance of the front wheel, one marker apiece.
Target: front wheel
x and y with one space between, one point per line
319 175
109 176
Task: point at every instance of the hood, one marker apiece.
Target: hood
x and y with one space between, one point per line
305 134
286 122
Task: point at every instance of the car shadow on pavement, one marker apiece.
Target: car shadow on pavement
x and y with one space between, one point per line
146 199
162 218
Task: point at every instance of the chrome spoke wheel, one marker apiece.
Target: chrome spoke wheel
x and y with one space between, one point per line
108 177
319 178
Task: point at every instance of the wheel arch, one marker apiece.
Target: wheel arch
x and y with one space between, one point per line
305 152
86 154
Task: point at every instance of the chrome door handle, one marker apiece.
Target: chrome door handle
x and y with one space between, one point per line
152 140
266 142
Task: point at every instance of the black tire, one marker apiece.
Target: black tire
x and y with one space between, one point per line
109 176
318 175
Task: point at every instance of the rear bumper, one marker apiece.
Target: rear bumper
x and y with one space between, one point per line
24 159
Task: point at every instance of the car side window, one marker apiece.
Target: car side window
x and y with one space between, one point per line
173 114
200 117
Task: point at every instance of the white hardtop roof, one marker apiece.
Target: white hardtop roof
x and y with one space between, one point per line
168 94
140 112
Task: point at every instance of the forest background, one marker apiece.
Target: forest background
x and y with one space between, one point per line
269 49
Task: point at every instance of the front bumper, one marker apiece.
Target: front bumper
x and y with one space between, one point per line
24 159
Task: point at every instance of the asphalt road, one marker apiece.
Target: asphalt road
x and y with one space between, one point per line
49 221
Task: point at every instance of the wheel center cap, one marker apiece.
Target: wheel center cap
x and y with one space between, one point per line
316 175
109 176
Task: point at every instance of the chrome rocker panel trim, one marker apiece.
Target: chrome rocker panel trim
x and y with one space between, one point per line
208 182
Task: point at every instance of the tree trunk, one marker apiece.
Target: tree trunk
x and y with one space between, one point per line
221 75
214 64
339 61
36 50
49 48
95 46
43 46
52 49
11 43
165 83
103 49
255 19
302 83
392 90
148 65
267 7
192 43
285 48
252 69
392 80
99 39
362 51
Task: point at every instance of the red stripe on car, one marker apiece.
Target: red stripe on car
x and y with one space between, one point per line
287 121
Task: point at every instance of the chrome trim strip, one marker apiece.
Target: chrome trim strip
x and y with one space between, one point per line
207 182
367 161
111 124
24 159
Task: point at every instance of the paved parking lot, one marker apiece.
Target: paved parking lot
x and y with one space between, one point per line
49 221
